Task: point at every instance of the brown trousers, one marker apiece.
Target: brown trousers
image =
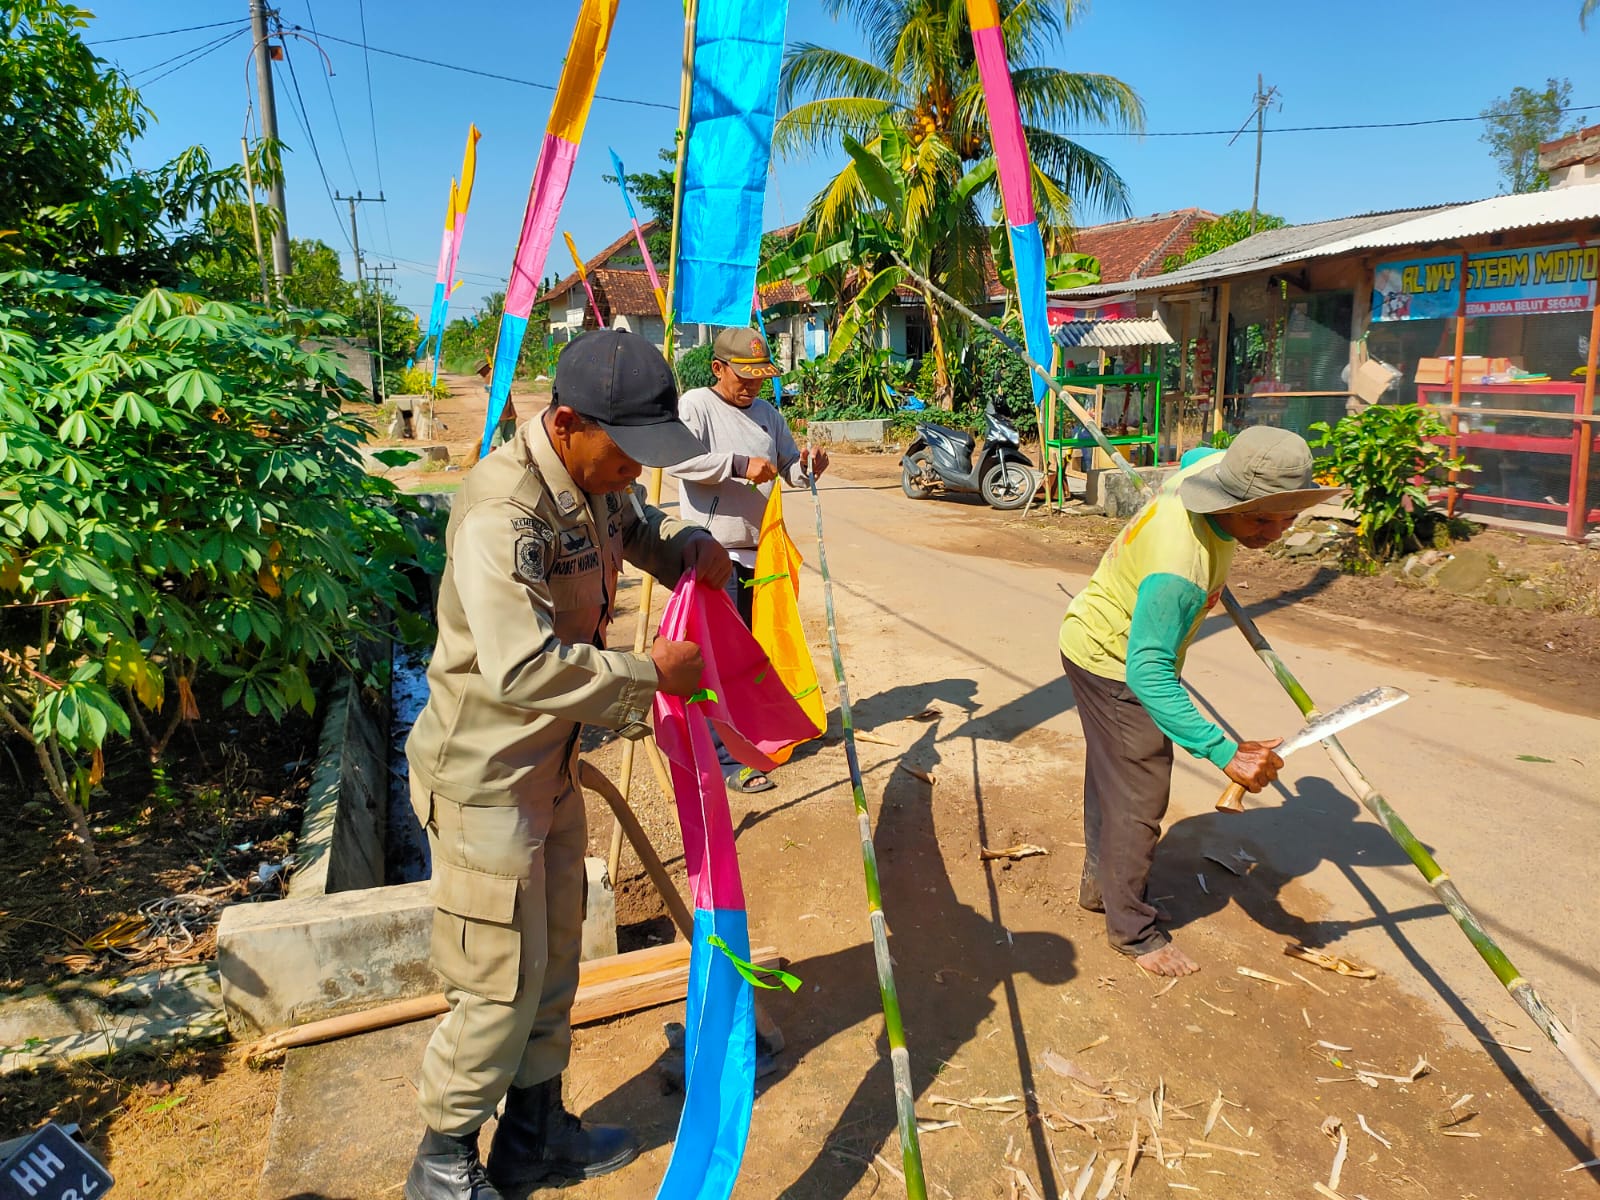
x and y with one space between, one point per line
1127 780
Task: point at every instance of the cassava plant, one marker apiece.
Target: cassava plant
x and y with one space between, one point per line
1384 457
179 496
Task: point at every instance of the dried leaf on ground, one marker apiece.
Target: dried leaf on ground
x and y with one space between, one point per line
1329 962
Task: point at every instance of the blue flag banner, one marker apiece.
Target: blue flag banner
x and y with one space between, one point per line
732 109
1027 257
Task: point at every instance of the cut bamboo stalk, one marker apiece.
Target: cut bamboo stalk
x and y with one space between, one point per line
607 987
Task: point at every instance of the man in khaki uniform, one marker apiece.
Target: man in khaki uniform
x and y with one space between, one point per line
536 538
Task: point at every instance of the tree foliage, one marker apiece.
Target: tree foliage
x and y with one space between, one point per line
1514 127
1221 233
653 191
922 72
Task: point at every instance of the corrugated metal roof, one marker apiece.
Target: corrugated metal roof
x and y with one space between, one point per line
1263 251
1559 206
1113 333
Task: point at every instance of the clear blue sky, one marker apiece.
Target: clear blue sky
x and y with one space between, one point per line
1194 66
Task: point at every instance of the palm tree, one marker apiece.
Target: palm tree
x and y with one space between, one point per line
923 73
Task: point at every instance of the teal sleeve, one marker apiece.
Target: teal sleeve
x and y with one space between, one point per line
1165 609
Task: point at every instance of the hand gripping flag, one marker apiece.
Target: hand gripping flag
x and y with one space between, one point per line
1016 180
580 74
775 616
738 46
455 224
757 719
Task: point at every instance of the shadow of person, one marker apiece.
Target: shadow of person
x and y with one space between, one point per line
951 964
1315 824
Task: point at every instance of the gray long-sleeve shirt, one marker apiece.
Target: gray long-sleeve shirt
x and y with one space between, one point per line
734 436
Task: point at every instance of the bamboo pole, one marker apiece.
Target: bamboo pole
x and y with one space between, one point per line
1220 383
641 634
1504 970
255 221
1455 382
894 1027
1578 515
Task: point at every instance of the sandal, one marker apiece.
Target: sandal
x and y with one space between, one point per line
747 780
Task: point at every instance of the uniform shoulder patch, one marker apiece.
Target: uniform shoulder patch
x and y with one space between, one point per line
534 541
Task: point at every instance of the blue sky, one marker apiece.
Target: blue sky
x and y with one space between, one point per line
1194 66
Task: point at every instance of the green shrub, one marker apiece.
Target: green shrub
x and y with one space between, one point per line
694 368
180 496
418 381
1383 457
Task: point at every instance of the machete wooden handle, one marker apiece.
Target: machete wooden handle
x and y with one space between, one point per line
1232 800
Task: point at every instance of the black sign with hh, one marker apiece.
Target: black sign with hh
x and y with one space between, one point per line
51 1166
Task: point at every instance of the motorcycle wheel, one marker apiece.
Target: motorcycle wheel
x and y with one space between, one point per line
1007 486
909 478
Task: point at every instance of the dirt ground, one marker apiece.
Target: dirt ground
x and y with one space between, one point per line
1041 1059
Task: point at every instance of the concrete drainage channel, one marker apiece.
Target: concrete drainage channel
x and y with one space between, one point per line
354 928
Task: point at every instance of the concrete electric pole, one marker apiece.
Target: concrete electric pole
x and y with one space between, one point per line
269 129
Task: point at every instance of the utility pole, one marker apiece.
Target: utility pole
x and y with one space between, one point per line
1264 97
382 273
355 244
269 129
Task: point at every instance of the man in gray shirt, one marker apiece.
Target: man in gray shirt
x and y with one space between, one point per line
725 489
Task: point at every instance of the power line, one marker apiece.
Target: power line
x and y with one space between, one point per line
544 87
139 37
1305 128
432 269
197 51
372 117
298 106
327 81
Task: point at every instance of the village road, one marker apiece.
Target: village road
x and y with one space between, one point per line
924 599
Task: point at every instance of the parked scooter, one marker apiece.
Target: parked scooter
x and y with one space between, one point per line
941 459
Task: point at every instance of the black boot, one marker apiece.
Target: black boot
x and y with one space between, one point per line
538 1140
447 1168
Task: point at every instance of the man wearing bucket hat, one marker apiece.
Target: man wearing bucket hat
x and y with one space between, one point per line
748 445
536 537
1122 646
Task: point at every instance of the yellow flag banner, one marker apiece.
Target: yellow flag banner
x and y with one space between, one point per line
775 614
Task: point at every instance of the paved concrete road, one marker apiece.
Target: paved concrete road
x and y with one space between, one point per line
1517 836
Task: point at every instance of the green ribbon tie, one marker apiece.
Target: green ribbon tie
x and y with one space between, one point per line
752 972
755 583
704 694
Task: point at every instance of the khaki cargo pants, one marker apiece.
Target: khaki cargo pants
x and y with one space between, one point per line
508 892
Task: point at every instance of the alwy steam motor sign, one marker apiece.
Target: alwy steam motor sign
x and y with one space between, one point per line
1535 279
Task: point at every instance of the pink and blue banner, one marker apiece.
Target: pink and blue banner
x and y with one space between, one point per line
1016 181
744 697
580 75
738 48
455 226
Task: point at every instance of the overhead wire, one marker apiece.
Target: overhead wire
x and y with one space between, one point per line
139 37
327 81
297 105
192 54
372 117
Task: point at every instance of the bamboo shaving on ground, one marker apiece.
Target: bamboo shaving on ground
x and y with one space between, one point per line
1329 962
1262 977
1334 1128
1019 851
925 776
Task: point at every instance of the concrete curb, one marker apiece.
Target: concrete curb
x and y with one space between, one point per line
341 840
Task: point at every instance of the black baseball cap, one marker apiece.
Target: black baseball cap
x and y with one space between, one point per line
621 383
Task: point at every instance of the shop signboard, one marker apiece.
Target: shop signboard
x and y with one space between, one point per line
1500 282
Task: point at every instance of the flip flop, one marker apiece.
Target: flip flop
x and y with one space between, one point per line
747 780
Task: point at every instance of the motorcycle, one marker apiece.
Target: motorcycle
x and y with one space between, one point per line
942 459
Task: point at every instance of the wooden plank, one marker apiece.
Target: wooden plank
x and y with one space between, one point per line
631 992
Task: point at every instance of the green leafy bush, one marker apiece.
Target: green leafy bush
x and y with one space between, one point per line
694 368
991 370
180 496
1382 456
418 381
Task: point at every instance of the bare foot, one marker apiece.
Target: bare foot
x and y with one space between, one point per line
1168 961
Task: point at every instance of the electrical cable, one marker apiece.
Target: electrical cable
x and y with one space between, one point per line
298 106
372 117
544 87
338 123
197 52
139 37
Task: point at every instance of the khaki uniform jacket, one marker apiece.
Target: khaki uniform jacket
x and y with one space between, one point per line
528 591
